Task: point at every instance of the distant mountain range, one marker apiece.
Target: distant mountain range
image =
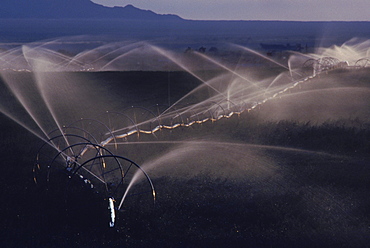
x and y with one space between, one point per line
74 9
34 20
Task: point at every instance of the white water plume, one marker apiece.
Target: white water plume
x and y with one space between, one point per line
66 90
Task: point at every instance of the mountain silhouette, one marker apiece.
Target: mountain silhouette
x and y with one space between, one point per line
74 9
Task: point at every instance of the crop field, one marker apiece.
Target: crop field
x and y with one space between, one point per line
226 149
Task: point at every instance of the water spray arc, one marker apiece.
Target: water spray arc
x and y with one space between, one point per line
80 148
98 167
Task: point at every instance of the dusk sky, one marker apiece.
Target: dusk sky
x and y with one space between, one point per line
299 10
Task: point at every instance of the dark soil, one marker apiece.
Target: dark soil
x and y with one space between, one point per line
317 195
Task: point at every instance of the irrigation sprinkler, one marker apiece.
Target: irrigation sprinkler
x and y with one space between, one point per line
95 165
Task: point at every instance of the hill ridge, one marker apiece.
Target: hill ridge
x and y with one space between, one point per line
75 9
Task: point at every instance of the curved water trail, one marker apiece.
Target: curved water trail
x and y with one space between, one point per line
231 98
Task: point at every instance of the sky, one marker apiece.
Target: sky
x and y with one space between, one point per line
286 10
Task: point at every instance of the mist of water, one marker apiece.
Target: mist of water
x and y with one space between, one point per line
57 93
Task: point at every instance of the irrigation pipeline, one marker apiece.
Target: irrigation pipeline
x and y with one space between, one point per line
207 119
319 66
